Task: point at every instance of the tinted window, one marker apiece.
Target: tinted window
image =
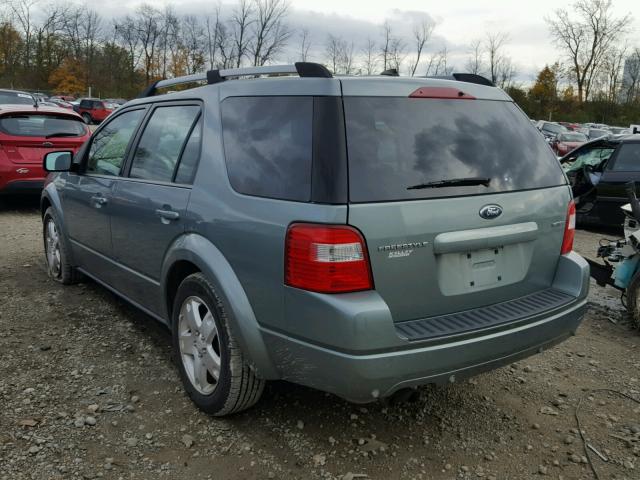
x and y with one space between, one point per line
157 153
15 98
267 142
395 143
190 156
628 158
109 145
85 104
42 125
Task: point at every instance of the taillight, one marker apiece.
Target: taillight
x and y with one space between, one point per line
326 259
569 229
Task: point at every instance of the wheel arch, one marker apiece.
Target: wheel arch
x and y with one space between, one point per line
193 253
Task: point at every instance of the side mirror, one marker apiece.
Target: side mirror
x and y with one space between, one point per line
58 161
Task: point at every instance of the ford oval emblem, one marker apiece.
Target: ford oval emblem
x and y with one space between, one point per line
489 212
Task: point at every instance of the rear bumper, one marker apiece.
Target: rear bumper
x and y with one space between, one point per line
364 378
22 187
354 350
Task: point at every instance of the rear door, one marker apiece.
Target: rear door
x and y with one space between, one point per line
439 247
149 204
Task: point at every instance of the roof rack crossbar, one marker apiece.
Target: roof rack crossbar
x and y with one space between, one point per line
304 69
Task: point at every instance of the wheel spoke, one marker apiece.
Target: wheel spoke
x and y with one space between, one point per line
212 362
192 315
186 344
208 328
200 372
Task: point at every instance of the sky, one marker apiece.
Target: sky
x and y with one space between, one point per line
459 23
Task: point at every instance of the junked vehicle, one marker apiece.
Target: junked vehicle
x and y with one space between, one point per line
358 235
16 97
550 130
598 172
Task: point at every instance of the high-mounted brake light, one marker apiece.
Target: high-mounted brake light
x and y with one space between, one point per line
326 259
442 93
569 229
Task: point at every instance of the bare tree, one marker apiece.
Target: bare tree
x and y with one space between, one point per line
438 63
169 25
333 52
368 54
385 45
397 53
241 21
305 44
631 80
475 62
421 34
494 46
148 25
585 35
270 32
212 26
192 41
612 69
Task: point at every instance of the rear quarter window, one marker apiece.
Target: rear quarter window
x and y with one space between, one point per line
394 143
268 145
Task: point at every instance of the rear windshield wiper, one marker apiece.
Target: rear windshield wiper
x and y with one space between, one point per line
61 134
453 182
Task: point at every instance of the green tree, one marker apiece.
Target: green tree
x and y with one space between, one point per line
544 93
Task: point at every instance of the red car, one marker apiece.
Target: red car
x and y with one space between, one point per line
567 141
27 133
94 110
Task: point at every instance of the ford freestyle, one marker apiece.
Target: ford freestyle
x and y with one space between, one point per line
358 235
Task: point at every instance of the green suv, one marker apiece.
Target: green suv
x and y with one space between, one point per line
358 235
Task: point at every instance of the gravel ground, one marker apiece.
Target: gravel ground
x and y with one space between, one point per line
88 389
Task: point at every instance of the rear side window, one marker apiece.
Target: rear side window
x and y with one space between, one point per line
396 143
162 142
42 126
268 145
190 156
627 158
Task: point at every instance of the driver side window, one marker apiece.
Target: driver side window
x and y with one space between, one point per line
109 145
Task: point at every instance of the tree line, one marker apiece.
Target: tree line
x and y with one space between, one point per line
67 48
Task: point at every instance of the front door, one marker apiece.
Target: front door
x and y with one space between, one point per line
87 195
150 201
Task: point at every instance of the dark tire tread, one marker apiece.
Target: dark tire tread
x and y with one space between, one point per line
245 388
69 275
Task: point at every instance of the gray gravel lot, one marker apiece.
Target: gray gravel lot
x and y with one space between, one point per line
88 390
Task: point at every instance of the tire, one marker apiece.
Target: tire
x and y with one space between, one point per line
633 299
56 250
204 345
87 118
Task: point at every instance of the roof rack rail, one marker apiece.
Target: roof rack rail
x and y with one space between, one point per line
303 69
466 77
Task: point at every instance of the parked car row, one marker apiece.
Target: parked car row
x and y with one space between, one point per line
564 136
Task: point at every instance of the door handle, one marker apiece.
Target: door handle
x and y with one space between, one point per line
167 215
99 200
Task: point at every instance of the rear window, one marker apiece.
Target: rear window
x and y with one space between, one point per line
14 98
268 145
572 137
396 143
553 128
42 126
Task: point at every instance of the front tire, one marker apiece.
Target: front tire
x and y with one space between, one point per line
87 118
56 250
212 367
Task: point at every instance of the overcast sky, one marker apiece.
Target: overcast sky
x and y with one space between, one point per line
459 22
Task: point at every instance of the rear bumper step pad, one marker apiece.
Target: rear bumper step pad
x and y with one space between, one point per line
484 317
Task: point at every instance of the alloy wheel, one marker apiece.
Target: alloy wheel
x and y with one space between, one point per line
52 245
199 345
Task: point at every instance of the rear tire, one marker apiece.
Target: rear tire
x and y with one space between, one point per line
56 250
212 367
87 118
